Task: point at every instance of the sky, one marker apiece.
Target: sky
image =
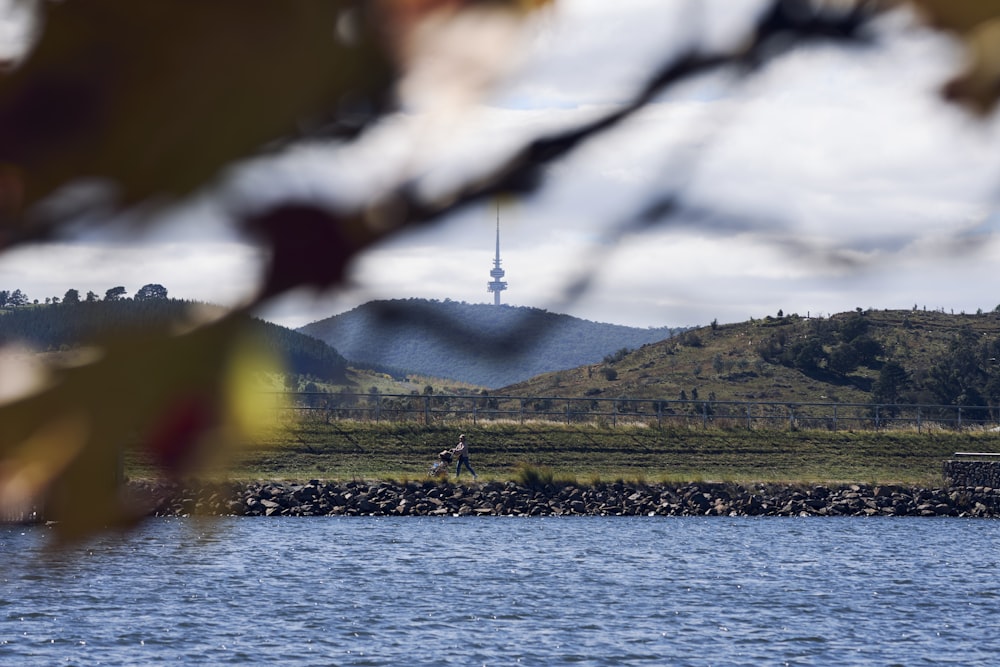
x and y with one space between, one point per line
832 179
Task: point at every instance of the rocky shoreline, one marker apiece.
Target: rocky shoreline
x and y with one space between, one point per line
434 498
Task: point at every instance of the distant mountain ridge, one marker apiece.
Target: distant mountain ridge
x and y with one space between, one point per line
482 344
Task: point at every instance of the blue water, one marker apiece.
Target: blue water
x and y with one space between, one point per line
506 591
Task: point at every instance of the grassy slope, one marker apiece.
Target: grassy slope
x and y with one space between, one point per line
727 364
347 450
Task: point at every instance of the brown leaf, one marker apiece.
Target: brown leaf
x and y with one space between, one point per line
157 96
310 247
957 15
978 86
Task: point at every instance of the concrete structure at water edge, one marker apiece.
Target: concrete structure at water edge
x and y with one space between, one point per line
974 469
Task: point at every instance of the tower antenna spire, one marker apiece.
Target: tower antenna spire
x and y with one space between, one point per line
497 285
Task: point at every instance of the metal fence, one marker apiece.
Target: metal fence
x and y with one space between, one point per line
475 408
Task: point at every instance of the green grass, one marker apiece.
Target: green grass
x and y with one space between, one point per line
543 453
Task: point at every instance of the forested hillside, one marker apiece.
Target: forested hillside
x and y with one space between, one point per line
887 357
66 325
482 344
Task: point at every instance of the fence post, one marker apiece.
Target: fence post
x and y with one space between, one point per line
614 413
834 416
659 415
748 417
918 419
791 417
567 412
959 418
474 413
427 409
378 408
522 411
878 422
704 414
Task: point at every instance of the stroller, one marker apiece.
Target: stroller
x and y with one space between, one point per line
440 467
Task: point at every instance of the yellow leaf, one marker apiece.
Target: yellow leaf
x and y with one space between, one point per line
62 446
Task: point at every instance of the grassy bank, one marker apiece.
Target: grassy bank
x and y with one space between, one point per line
346 450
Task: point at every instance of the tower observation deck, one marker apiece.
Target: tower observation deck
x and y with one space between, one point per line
497 285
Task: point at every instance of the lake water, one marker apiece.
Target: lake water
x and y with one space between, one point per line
507 591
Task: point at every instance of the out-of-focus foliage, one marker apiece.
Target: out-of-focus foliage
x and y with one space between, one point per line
978 23
155 98
168 393
145 101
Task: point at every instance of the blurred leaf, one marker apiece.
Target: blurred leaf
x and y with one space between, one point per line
310 247
978 23
455 52
957 15
158 96
31 466
63 445
978 86
154 99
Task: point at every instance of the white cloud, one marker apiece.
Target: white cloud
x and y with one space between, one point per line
17 26
217 272
854 147
596 52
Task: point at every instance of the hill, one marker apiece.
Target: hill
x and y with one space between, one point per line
60 327
892 356
480 344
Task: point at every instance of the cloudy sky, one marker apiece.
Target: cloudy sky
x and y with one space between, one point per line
832 179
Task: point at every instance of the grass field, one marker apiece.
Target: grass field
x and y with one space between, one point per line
351 450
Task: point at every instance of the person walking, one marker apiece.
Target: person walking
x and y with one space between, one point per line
462 452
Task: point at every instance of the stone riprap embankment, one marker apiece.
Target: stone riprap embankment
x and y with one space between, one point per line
433 498
973 472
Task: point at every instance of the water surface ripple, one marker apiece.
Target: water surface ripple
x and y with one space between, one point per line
507 591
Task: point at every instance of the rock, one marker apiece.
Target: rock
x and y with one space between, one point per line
495 498
699 500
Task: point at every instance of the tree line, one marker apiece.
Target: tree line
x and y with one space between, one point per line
18 299
82 321
966 373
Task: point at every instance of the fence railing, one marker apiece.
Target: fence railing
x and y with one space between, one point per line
441 408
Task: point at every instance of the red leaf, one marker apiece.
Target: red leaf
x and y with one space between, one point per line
173 440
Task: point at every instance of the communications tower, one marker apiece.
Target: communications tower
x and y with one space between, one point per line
497 285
